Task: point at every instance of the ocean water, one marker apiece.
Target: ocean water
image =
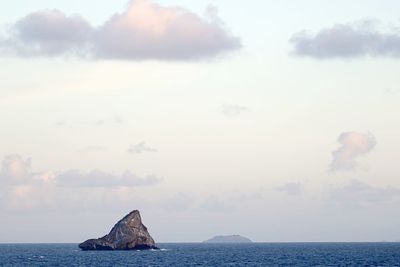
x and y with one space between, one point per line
197 254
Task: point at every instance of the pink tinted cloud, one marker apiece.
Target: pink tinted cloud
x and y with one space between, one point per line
353 145
15 169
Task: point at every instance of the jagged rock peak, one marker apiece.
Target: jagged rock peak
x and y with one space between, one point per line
127 234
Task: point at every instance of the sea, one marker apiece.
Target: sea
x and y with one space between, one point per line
200 254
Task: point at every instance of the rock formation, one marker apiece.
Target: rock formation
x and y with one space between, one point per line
128 234
228 239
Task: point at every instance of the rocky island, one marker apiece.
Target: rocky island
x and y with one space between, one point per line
128 234
228 239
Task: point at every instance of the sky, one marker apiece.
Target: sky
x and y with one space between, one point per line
276 120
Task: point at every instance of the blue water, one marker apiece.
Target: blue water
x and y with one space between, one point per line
258 254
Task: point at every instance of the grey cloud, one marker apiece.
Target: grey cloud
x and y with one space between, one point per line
145 30
48 33
348 41
293 189
353 145
357 193
230 110
140 148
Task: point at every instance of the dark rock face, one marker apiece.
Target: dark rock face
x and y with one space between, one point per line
128 234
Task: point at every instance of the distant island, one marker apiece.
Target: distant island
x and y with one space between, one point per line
228 239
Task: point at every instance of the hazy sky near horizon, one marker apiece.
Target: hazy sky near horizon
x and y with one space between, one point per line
276 120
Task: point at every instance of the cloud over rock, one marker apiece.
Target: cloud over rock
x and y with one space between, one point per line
145 30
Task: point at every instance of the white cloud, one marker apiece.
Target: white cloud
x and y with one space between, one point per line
230 110
391 92
348 41
353 145
145 30
140 148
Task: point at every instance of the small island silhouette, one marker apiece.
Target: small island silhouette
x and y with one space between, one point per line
228 239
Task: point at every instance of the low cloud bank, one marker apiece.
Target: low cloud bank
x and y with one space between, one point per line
16 170
21 188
